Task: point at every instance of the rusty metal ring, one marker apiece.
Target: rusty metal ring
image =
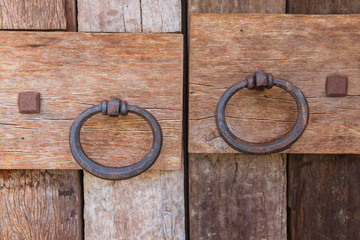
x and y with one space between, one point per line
114 108
261 80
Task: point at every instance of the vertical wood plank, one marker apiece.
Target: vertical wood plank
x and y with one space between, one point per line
37 15
150 206
129 16
40 204
233 196
324 196
324 190
323 7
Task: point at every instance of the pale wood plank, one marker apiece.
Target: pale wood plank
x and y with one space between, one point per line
40 204
37 14
150 206
129 16
73 71
234 196
313 48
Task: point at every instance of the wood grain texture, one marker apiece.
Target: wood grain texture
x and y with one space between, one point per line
73 71
301 49
37 14
150 206
324 193
323 7
40 204
237 6
234 196
129 16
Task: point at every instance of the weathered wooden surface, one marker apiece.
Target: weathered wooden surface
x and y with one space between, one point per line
322 7
40 204
233 196
150 206
301 49
73 71
324 196
37 14
129 16
237 6
323 191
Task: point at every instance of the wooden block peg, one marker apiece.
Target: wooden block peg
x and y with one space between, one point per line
29 102
336 86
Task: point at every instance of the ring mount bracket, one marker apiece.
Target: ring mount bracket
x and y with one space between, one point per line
114 108
259 81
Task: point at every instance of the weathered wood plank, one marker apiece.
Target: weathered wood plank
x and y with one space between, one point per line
150 206
313 48
40 204
129 16
73 71
233 196
237 6
37 14
322 7
324 193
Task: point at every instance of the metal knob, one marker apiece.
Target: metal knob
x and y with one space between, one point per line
261 80
114 108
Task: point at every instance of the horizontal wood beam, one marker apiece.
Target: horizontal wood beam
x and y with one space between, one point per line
73 71
301 49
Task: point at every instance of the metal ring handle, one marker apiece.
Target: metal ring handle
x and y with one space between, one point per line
261 80
114 108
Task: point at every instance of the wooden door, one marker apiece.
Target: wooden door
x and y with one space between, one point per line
214 196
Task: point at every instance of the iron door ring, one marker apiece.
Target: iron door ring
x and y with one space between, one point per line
114 108
261 80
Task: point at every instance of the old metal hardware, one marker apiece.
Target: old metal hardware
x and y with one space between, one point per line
336 86
261 80
29 102
113 108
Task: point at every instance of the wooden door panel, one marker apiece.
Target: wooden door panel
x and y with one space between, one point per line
73 71
301 49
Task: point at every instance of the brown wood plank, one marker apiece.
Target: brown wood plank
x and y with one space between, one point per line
73 71
323 7
233 196
37 15
323 194
40 204
237 6
313 48
150 206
